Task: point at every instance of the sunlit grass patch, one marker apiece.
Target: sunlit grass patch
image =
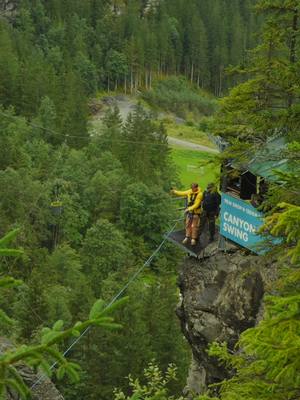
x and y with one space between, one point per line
192 166
188 132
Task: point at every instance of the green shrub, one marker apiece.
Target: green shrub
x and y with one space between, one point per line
177 95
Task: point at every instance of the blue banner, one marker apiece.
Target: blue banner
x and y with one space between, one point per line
240 222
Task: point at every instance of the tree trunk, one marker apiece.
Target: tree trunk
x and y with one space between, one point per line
186 71
192 73
220 82
131 80
135 81
294 37
125 83
293 49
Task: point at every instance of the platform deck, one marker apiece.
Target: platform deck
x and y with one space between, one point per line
194 251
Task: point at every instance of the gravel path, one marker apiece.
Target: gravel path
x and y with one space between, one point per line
126 105
190 145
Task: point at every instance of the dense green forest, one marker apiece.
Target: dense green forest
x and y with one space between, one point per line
115 210
89 213
67 50
115 207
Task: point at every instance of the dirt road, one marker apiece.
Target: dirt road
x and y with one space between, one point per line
190 145
127 104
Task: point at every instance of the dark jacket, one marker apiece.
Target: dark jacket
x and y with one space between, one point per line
211 202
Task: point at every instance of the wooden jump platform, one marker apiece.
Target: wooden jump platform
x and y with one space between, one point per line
194 251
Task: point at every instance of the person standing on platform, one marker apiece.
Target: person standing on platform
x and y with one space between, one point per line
210 210
192 221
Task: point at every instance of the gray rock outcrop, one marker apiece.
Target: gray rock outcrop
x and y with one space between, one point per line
8 8
43 390
221 297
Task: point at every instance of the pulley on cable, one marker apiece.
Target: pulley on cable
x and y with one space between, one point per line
56 207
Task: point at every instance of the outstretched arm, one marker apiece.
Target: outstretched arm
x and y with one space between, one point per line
180 193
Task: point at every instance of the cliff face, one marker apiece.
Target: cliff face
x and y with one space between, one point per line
8 8
221 297
44 390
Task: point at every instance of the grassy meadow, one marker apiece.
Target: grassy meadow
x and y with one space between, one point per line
190 133
193 166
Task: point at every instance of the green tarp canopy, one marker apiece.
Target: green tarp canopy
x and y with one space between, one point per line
269 159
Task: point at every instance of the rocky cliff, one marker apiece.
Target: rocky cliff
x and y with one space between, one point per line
43 390
8 8
221 297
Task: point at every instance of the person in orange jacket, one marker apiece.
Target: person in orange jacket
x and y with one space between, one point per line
192 222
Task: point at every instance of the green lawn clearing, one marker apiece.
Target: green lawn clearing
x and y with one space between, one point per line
192 166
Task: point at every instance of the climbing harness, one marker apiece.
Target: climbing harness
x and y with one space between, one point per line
192 199
189 218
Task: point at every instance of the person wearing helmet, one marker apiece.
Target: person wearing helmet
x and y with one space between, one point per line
192 222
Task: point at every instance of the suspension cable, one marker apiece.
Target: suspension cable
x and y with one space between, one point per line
113 300
66 135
